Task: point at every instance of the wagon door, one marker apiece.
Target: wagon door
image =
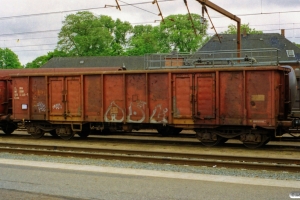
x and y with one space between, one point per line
65 98
182 96
205 96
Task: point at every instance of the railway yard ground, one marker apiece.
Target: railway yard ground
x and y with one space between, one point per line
280 180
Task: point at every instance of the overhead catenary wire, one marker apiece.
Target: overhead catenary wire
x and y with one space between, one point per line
134 5
22 46
190 16
123 4
83 9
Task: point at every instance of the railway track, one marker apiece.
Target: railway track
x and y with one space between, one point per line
170 141
220 161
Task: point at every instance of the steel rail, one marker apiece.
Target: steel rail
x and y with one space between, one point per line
219 161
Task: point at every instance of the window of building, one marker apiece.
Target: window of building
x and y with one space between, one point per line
290 53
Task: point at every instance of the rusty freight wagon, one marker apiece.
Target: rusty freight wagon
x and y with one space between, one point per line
248 102
6 123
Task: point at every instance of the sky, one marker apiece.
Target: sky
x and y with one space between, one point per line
30 27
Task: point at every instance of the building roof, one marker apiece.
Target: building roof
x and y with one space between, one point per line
256 41
288 52
130 62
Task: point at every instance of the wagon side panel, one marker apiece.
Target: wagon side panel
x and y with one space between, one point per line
205 98
113 98
20 98
38 98
136 98
159 106
260 97
182 98
72 98
56 101
92 98
231 98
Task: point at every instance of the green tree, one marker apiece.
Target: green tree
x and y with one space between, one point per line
41 60
84 34
144 40
177 33
121 33
232 29
298 45
8 59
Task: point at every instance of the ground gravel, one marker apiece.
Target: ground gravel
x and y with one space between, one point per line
214 170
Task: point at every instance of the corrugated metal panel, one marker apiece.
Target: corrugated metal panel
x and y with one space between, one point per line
205 96
56 98
182 95
73 97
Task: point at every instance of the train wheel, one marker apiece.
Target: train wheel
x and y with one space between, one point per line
9 128
38 133
264 139
67 137
211 143
69 133
209 138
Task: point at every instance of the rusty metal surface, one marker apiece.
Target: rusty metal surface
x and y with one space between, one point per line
159 98
64 98
231 93
38 98
182 95
113 98
260 99
93 95
205 96
136 98
21 94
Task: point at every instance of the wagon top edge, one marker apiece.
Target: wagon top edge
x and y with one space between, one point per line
173 71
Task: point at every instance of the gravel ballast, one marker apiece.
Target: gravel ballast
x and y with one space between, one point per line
213 170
